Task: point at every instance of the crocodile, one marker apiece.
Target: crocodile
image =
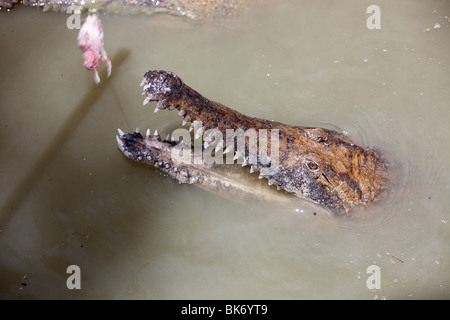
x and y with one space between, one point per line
315 164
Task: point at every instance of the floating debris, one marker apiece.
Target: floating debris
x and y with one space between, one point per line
394 256
81 234
23 283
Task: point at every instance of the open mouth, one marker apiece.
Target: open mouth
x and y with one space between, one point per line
196 143
316 164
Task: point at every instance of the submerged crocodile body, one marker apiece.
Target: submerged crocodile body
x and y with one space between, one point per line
317 164
196 10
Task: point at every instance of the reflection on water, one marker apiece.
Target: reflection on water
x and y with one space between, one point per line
136 233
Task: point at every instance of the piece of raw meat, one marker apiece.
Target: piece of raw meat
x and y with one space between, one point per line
90 40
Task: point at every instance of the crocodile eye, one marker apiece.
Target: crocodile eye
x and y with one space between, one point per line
312 165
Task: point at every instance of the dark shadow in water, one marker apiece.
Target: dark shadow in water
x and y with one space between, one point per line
20 193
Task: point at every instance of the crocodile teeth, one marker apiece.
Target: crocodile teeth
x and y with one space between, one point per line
184 122
121 132
156 135
119 142
156 109
207 137
144 81
182 112
137 130
198 133
146 100
147 134
167 137
228 149
252 169
238 155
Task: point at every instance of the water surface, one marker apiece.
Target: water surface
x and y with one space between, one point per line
69 197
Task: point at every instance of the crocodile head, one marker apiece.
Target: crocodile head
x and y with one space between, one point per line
331 170
317 164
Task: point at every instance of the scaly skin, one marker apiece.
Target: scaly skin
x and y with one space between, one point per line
317 164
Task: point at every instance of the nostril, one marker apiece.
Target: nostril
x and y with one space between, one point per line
323 175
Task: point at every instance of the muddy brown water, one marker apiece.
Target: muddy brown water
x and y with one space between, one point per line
69 197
